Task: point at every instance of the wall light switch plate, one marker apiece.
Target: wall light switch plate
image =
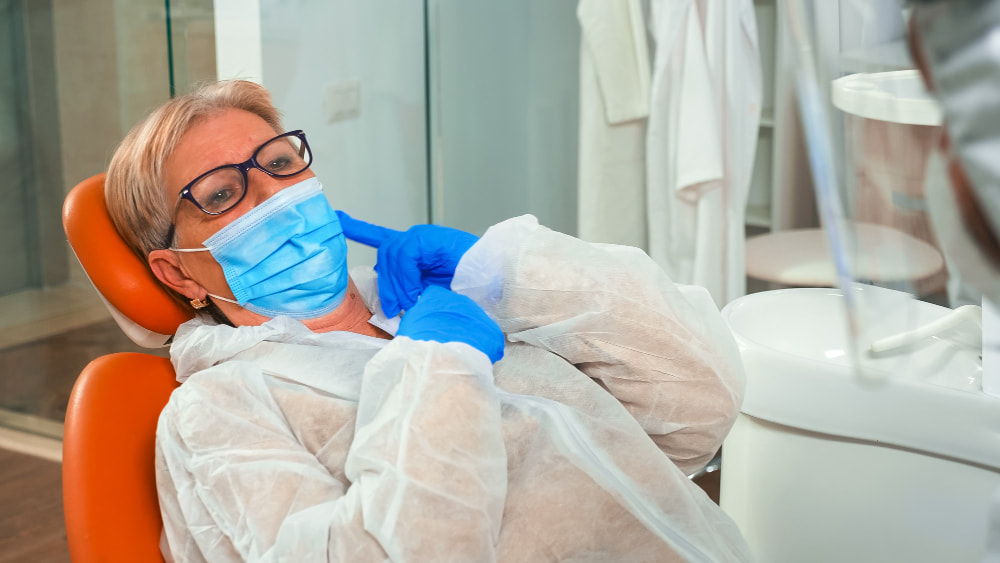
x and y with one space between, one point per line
342 101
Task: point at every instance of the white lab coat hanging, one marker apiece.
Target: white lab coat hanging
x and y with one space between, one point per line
704 114
614 104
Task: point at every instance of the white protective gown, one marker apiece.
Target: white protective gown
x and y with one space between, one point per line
283 444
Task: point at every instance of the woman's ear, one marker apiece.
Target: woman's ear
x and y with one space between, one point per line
167 268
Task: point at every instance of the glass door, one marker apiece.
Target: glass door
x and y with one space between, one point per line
23 218
74 77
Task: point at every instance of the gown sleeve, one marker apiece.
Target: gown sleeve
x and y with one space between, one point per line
423 477
661 349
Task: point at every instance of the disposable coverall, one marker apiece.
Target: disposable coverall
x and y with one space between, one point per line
283 444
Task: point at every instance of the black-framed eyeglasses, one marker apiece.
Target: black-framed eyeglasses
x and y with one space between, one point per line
224 187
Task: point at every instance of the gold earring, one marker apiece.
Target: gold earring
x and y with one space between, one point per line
199 303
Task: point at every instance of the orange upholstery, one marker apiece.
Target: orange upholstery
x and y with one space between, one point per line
118 274
109 488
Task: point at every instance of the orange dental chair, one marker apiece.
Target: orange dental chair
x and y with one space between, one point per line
109 490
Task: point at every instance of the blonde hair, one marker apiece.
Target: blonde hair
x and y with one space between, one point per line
134 186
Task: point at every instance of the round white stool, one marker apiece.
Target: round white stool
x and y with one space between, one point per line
801 257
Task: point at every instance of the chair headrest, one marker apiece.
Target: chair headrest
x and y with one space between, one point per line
143 308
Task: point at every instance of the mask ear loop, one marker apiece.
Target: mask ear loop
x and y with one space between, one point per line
207 306
226 299
201 303
217 315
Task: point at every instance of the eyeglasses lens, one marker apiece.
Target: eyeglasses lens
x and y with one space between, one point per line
220 190
284 156
224 188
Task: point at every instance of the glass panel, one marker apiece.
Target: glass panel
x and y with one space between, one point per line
192 43
17 216
872 130
69 90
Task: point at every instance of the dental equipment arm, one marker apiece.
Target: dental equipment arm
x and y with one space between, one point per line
967 313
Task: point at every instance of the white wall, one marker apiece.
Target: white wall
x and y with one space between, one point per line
237 39
372 166
504 83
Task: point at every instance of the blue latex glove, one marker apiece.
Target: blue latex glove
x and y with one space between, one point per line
409 261
442 315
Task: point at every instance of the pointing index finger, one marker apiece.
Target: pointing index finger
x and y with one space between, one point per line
366 233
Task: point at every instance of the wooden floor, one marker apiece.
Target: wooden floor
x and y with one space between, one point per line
35 380
31 518
709 482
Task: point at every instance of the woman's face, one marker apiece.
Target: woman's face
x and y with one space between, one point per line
227 137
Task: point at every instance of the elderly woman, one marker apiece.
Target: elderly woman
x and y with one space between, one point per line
314 425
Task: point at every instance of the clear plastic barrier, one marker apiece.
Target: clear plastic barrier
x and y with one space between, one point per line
872 135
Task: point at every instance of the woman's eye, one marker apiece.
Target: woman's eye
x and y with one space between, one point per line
277 164
219 197
219 189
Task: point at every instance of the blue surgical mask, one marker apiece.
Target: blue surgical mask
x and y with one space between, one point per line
287 256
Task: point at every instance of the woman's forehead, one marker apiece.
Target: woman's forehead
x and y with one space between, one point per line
231 130
226 137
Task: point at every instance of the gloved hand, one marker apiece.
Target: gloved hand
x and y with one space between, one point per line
409 261
442 315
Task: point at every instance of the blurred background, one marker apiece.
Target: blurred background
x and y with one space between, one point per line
465 113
